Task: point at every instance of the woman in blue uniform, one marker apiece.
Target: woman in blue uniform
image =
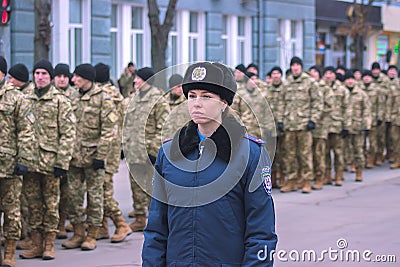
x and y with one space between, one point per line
212 203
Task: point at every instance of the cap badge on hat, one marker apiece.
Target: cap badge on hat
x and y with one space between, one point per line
199 73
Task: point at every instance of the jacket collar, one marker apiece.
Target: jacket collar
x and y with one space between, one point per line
187 139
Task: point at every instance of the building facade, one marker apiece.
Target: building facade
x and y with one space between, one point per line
265 32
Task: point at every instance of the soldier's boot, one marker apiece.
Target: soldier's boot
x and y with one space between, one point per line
339 178
132 214
62 233
353 168
69 228
36 251
328 176
122 229
25 244
48 253
290 185
77 239
359 174
90 240
379 159
300 183
370 161
306 187
318 183
139 224
279 179
103 231
9 253
396 163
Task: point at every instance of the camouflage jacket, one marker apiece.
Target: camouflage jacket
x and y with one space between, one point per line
177 118
114 155
96 117
394 109
54 126
16 131
300 102
322 129
361 111
145 115
377 100
340 116
73 95
241 110
27 88
126 82
273 95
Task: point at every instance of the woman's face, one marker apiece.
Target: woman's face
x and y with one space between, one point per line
205 107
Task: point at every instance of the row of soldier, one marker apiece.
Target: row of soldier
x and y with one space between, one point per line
351 114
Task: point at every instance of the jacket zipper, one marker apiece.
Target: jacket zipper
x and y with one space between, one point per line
195 208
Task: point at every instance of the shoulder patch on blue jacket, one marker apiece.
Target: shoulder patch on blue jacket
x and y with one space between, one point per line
254 139
167 140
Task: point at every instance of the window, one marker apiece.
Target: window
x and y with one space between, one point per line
172 48
75 32
137 36
291 41
114 41
236 37
193 36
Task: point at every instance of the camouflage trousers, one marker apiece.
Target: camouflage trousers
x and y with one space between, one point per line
42 194
335 142
357 141
279 165
110 205
141 199
389 141
319 154
24 212
381 143
298 146
348 156
396 140
373 139
94 188
63 206
10 193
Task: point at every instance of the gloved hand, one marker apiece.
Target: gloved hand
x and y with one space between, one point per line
58 172
97 164
152 159
20 169
344 133
365 132
280 127
379 122
388 124
310 125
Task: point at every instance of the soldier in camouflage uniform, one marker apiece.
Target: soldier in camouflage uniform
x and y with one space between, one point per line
16 140
62 77
274 91
338 126
382 82
360 121
126 80
96 117
111 209
54 125
376 98
145 114
18 75
179 115
392 73
393 114
320 134
299 110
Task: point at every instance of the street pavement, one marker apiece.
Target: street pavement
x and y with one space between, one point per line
331 227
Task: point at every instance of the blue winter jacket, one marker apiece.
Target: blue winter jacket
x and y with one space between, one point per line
212 203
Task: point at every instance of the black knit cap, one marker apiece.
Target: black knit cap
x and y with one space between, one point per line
62 69
348 75
393 67
44 64
213 77
250 74
3 65
241 67
375 65
317 68
276 68
296 60
20 72
145 73
86 71
329 68
174 80
102 72
366 73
